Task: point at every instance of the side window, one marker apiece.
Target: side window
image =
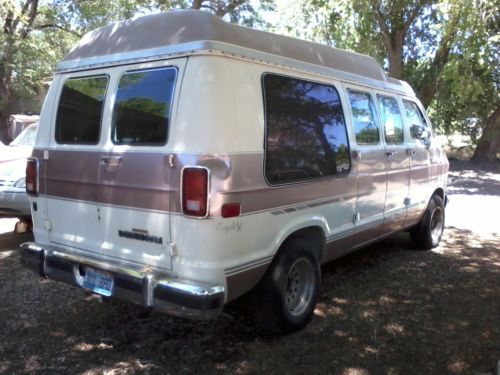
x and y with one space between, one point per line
364 120
141 111
392 120
306 135
79 113
419 130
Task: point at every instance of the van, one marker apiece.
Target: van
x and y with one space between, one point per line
182 162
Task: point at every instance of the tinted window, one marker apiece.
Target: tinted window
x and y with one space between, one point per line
80 110
416 121
391 119
306 133
142 107
363 118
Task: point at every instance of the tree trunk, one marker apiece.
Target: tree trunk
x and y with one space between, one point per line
395 54
196 4
489 144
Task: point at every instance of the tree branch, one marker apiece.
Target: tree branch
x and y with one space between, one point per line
22 14
32 15
414 14
55 26
385 32
232 5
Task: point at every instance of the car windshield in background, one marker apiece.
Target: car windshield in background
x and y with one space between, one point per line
26 137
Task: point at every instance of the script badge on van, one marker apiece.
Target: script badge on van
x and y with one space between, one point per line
141 235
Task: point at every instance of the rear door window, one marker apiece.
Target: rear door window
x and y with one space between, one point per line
80 109
364 121
306 135
142 106
392 120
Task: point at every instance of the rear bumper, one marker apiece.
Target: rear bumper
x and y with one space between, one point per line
160 291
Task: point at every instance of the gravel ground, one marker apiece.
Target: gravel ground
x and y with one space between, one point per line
387 309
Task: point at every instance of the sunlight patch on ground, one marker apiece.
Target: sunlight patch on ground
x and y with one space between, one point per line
7 225
6 254
355 371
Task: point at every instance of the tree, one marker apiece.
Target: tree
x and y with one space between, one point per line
35 36
446 49
32 40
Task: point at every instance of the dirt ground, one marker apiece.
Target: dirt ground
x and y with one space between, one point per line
387 309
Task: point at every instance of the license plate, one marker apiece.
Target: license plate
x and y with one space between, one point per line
98 282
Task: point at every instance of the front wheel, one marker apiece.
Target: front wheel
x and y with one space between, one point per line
427 234
288 293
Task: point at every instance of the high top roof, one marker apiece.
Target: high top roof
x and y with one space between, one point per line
163 34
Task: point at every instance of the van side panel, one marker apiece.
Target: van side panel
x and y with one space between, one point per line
243 246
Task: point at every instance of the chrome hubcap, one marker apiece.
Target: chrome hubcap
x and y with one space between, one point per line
300 286
437 224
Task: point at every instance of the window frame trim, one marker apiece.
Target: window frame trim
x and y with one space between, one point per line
266 128
105 97
119 77
425 118
376 114
401 114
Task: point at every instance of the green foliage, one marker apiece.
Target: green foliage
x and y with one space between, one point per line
450 48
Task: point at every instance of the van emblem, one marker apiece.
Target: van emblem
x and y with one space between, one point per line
140 235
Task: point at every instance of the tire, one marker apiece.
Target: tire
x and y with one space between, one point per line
427 234
286 296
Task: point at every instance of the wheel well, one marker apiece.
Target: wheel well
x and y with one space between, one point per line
314 235
439 192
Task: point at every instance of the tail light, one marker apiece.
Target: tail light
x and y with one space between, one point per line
32 176
195 192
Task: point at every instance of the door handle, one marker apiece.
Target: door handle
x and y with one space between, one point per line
412 151
111 162
390 154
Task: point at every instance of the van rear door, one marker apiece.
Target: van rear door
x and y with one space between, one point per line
123 211
71 173
134 169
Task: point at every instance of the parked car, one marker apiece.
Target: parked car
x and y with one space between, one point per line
183 161
21 147
14 201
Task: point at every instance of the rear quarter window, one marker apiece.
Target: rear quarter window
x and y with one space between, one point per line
306 135
79 112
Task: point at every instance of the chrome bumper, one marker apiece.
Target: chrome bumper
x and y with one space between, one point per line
160 291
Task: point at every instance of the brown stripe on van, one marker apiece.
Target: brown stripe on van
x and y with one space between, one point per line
139 180
239 283
148 181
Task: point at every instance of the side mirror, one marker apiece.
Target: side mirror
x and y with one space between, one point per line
418 132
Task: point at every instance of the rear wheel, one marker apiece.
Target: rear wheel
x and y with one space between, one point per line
287 295
427 234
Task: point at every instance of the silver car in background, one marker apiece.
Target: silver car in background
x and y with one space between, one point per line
14 201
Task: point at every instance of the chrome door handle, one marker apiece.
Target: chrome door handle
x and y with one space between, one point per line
111 162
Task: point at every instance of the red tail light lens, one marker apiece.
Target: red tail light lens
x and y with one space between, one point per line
195 192
32 176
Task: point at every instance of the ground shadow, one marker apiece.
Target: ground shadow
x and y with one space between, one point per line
385 309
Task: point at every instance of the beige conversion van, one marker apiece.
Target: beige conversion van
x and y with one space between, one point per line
182 162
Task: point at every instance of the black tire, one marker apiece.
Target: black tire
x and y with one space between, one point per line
427 234
286 296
